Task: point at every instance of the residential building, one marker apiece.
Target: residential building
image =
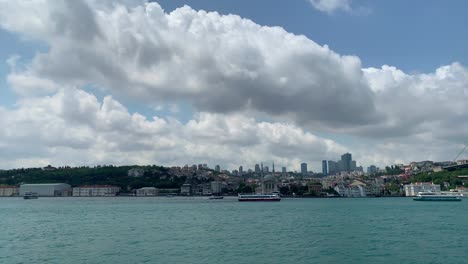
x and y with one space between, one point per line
414 188
96 190
217 187
46 189
186 189
315 187
6 191
136 172
147 191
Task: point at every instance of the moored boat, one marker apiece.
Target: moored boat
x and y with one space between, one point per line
30 195
259 198
442 197
216 197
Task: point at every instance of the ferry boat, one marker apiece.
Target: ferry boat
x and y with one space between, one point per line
259 198
30 195
216 197
442 196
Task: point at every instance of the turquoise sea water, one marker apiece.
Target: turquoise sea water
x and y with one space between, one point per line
198 230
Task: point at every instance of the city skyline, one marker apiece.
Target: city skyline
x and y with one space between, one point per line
182 82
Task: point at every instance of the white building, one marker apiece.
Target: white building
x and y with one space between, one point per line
6 191
350 190
413 188
217 187
147 191
186 189
46 189
269 184
96 190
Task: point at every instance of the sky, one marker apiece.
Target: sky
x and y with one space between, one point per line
232 83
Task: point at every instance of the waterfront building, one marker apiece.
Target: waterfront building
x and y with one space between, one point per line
270 184
147 191
324 167
350 190
46 189
186 189
413 189
217 187
96 190
304 168
6 191
315 187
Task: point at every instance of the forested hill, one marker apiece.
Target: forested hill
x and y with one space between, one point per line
450 177
102 175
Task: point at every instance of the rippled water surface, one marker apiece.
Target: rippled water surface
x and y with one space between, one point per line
198 230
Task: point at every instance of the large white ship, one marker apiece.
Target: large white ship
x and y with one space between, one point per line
442 196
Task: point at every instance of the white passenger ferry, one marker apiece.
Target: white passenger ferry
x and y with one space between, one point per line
442 196
259 198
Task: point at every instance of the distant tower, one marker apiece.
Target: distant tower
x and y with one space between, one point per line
273 167
304 168
241 170
346 161
324 167
257 168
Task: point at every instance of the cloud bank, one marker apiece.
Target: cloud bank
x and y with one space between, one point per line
232 71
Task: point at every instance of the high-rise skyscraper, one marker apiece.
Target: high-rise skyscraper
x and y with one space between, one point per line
324 167
266 169
257 168
332 167
273 169
217 168
241 171
346 161
283 169
304 168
